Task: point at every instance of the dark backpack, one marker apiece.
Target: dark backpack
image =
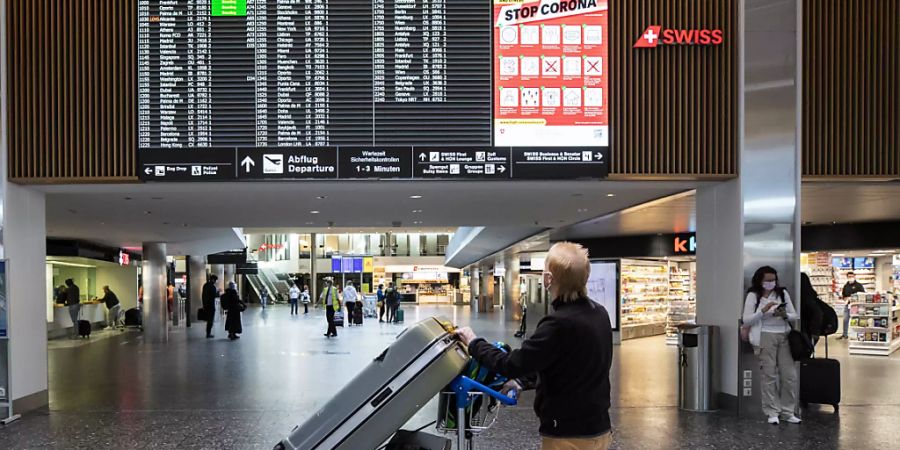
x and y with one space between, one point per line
829 318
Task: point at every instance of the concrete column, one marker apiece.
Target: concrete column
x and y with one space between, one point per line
474 288
196 268
219 271
511 289
754 220
486 293
313 271
156 327
230 269
23 240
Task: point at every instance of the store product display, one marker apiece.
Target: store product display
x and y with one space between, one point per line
657 296
875 324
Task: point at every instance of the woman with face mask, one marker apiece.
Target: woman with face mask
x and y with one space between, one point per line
767 309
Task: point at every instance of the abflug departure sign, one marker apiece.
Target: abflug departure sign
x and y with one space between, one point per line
548 9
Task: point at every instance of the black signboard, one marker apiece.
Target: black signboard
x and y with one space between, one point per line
316 163
214 164
375 162
450 163
554 163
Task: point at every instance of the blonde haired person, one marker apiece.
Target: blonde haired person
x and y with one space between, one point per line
570 352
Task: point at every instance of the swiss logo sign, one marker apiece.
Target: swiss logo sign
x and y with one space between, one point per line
655 35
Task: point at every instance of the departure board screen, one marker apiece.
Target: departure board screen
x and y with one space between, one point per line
269 73
332 89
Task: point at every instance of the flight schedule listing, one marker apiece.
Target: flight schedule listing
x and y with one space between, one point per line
230 74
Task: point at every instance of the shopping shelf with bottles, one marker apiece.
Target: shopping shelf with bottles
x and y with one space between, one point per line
874 324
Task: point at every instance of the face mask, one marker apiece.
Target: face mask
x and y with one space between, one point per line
768 285
851 279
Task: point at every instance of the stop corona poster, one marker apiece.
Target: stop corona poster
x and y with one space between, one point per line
551 71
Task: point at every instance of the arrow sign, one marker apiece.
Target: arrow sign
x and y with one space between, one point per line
422 156
502 169
599 156
247 163
148 171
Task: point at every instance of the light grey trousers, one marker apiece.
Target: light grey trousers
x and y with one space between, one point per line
779 375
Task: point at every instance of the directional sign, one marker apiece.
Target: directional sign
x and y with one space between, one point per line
560 162
454 163
186 165
288 163
375 162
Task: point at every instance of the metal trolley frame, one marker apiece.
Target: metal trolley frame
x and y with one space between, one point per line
466 392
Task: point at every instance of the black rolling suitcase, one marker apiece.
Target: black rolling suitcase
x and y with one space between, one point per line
358 314
820 381
84 328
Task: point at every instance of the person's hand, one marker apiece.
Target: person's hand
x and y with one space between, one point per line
465 334
768 306
511 385
780 312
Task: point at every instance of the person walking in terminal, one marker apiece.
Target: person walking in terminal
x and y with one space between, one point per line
294 298
210 292
233 306
380 294
851 287
767 309
73 302
349 296
304 298
570 353
330 300
264 297
112 308
392 299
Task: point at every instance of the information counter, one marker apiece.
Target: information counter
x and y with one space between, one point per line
61 326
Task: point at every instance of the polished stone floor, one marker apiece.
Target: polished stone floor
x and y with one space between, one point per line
115 391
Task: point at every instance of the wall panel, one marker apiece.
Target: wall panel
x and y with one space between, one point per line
851 88
673 107
71 90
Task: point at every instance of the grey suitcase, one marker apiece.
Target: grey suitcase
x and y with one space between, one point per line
412 370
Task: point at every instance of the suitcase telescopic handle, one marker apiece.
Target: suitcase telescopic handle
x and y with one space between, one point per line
462 385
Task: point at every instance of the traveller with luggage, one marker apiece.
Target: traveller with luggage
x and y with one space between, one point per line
73 303
233 306
332 303
209 295
392 298
767 310
112 308
349 296
570 352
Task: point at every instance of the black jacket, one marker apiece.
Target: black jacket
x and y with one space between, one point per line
73 295
210 292
852 288
110 299
571 353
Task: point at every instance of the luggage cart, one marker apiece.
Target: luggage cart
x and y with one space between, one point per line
464 395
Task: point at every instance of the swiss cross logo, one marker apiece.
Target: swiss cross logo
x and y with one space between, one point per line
649 38
655 35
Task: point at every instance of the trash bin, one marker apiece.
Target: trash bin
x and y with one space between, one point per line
695 385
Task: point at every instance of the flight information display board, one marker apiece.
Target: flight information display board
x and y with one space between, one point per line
327 89
286 73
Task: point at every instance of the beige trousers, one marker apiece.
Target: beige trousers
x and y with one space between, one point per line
779 375
595 443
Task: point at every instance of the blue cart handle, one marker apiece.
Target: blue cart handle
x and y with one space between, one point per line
462 385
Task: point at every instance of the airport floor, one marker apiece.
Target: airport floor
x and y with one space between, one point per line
115 391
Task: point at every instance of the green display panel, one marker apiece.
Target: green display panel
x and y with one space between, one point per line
229 8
